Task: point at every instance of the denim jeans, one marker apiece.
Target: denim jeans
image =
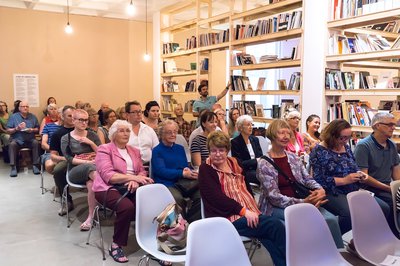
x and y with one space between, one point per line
337 205
270 232
330 219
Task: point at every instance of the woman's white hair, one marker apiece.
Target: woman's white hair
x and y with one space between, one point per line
116 125
292 112
240 121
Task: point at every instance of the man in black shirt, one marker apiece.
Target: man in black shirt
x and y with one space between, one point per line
60 169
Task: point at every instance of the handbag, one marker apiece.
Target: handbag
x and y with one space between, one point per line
187 186
171 230
300 190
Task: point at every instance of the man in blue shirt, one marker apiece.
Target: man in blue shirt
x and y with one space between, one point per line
376 155
169 165
205 101
22 127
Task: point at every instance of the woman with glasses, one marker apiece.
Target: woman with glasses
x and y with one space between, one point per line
221 122
296 140
79 147
119 164
246 148
225 194
94 121
4 136
335 169
169 166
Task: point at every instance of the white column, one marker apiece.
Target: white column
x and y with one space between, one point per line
156 55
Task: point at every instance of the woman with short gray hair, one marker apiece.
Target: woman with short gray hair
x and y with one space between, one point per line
246 148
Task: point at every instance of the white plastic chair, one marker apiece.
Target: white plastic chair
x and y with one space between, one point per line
308 239
265 144
180 139
372 236
254 243
394 186
151 200
64 198
215 242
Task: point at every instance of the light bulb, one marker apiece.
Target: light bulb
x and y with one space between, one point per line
146 57
68 29
130 9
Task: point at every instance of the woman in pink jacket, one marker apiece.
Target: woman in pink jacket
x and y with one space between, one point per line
119 164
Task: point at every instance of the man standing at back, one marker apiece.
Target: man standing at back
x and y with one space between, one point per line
22 127
205 101
376 155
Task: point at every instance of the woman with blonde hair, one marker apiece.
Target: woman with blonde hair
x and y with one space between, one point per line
296 140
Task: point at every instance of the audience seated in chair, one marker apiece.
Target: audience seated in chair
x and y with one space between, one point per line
152 115
311 137
277 192
79 147
246 148
232 127
142 136
51 117
335 169
169 165
185 129
225 194
119 164
296 140
376 156
47 132
4 136
104 107
22 127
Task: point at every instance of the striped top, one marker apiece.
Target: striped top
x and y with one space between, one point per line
49 130
398 200
199 144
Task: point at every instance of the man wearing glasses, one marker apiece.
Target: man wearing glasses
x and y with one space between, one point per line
376 155
142 136
22 127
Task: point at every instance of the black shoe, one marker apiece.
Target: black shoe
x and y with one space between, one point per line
36 170
13 172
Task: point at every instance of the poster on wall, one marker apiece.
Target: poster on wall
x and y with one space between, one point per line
26 87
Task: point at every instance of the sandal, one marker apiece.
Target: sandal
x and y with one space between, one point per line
163 262
118 254
85 226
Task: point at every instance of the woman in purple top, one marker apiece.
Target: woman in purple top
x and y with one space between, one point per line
117 163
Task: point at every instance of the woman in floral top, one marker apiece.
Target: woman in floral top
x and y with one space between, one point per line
335 168
276 191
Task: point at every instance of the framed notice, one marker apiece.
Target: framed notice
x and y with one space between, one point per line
26 87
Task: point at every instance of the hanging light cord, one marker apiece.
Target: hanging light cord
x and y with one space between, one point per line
146 26
68 11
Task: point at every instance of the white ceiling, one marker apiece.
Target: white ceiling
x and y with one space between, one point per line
117 8
100 8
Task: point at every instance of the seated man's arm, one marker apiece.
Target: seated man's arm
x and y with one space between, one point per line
396 172
372 182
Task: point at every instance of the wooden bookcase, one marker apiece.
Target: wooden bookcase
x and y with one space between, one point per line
203 22
372 61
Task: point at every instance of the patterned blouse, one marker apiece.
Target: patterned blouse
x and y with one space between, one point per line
328 164
270 193
185 129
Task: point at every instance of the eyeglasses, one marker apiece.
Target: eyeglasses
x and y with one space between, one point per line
135 112
216 151
295 118
82 120
122 130
24 106
388 124
170 133
343 138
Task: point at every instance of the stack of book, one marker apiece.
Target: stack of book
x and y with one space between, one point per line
341 44
245 107
170 86
243 59
170 47
349 8
355 112
268 58
191 42
190 86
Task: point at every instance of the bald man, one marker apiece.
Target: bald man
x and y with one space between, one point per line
22 127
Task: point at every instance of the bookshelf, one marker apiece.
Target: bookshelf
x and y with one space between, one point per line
382 65
287 35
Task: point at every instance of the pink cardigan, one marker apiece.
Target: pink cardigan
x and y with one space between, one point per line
290 147
110 162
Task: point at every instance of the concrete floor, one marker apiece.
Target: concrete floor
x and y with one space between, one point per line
31 232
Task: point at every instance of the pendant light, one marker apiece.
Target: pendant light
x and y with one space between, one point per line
146 56
130 9
68 29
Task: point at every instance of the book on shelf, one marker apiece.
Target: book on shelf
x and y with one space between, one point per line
357 113
268 58
191 42
276 111
169 86
294 82
240 83
170 47
212 38
259 110
243 59
388 105
391 26
281 22
396 43
190 86
286 106
350 8
245 107
188 108
341 44
260 83
204 64
282 84
169 66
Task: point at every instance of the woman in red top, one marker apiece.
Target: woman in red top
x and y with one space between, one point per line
296 140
